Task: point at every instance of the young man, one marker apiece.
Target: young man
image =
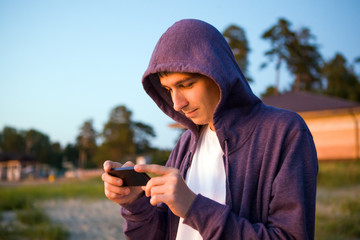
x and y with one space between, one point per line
242 170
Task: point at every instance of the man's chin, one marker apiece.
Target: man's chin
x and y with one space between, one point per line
199 122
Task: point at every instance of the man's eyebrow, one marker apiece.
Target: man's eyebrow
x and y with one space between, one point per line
181 81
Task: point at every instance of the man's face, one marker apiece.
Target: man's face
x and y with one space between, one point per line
193 94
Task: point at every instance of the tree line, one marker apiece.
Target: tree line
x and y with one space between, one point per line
122 139
299 53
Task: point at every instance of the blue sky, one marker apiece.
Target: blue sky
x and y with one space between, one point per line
65 62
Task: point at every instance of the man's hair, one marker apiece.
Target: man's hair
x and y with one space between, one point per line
162 74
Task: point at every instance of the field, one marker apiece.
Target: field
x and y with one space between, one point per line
75 209
78 209
338 201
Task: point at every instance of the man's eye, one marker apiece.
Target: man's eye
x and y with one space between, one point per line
188 85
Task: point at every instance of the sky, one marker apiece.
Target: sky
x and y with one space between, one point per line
65 62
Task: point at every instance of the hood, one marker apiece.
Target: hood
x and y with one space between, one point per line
194 46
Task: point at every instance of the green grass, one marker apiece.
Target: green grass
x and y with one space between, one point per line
32 216
337 216
338 201
33 223
338 174
21 196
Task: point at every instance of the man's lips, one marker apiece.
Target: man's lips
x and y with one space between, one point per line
191 114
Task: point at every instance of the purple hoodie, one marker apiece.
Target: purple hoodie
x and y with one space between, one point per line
269 155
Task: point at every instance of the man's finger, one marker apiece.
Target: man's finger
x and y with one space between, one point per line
117 190
110 164
151 186
154 182
112 180
128 164
153 168
156 199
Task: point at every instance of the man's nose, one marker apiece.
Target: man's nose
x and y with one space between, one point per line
179 101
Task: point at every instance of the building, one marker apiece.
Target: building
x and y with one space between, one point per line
15 167
333 122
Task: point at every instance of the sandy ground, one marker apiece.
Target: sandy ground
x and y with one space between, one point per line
87 219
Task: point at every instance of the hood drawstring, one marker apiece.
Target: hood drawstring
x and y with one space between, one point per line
226 164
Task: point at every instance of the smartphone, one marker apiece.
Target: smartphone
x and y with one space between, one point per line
129 176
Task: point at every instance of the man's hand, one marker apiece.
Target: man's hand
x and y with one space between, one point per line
113 185
169 188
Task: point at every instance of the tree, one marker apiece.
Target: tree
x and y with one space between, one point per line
142 135
12 141
236 38
70 155
118 136
39 146
341 81
123 138
280 37
357 60
305 62
297 50
86 143
270 91
1 142
160 156
31 142
56 155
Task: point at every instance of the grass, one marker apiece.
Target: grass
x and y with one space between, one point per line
337 216
31 222
337 174
338 201
21 196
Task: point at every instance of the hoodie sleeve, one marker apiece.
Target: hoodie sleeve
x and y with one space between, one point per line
291 208
142 219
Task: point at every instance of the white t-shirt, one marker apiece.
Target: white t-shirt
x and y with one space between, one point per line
206 175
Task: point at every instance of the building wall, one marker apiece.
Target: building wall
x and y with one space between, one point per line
10 170
336 134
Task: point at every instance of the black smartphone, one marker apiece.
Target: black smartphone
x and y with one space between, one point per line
129 176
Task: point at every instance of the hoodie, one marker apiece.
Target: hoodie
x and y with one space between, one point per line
269 155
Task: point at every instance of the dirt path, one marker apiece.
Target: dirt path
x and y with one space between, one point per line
87 219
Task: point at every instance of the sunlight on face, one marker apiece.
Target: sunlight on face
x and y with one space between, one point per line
194 95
